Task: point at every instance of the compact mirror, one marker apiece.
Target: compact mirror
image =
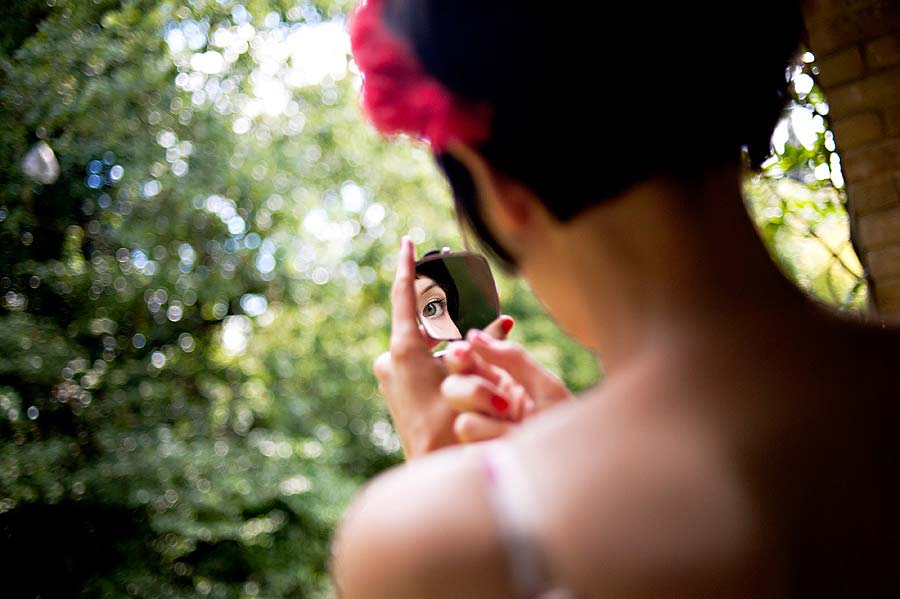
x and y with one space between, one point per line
455 292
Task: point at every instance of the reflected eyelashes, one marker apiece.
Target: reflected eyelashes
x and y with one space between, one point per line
435 308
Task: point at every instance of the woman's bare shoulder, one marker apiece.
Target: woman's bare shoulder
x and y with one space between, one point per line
636 491
423 529
647 476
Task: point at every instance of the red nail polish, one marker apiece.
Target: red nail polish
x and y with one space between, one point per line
499 403
507 325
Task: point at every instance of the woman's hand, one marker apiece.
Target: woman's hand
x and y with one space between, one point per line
409 376
495 385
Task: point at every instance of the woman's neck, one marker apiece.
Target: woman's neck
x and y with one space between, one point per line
666 259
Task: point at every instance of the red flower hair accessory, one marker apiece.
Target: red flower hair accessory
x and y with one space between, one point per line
399 96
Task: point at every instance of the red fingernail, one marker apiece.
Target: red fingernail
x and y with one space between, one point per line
459 351
507 325
499 403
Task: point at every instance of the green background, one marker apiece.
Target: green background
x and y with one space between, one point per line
189 312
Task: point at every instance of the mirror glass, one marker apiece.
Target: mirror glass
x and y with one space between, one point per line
455 292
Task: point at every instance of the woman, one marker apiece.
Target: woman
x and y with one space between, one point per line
739 444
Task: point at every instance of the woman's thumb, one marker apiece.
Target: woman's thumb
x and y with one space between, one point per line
500 328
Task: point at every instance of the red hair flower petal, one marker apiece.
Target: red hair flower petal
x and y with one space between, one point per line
399 96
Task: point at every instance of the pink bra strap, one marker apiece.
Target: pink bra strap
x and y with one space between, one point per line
515 510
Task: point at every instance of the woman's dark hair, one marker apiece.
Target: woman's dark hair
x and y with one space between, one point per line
591 98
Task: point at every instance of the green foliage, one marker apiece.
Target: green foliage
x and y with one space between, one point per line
799 201
189 311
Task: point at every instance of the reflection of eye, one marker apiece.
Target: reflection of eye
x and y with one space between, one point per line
434 308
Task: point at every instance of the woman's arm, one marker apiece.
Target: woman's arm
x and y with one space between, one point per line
631 500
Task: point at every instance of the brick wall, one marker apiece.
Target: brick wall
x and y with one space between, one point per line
857 48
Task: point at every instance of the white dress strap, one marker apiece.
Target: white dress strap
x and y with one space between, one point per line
512 499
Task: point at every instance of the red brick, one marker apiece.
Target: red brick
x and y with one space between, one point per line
817 9
871 93
883 52
891 118
842 24
884 262
880 229
845 65
871 160
887 296
857 130
876 193
847 99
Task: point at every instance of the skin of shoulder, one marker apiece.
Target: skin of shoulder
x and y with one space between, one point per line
652 508
637 483
645 485
423 529
644 506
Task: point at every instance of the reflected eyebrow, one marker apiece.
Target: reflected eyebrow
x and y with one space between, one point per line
433 284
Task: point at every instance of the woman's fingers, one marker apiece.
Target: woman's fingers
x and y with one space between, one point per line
538 382
505 354
472 393
471 427
460 359
382 368
500 327
405 336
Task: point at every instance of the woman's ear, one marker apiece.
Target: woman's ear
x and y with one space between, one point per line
506 204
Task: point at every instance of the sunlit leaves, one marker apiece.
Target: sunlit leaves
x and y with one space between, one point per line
799 203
